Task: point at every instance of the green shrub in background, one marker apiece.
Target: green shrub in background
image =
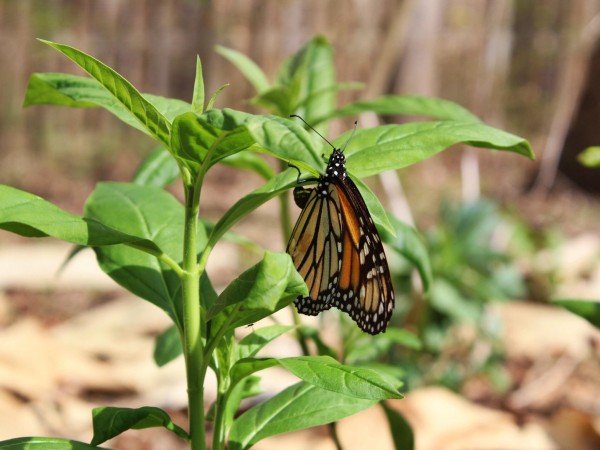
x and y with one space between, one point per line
157 248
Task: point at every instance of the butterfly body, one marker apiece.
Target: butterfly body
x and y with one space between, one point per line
336 248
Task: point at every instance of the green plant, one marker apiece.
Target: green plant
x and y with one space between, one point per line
472 265
158 248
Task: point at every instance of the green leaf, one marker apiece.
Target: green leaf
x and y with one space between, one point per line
261 290
327 373
145 112
198 95
313 334
403 337
297 407
333 89
590 157
46 443
167 346
363 349
155 214
248 388
390 147
213 98
31 216
274 187
402 433
110 422
445 298
317 76
245 367
158 169
62 89
408 243
193 136
285 139
249 68
250 161
151 212
276 99
282 138
588 309
251 344
378 213
435 108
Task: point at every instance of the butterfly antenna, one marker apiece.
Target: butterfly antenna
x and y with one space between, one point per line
309 126
351 136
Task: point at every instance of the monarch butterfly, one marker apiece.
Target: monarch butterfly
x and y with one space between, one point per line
337 250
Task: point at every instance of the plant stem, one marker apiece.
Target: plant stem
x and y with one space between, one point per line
192 324
219 431
334 435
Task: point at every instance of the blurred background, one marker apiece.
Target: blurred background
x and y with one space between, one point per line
531 68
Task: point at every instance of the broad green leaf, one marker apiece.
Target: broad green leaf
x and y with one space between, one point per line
155 214
261 290
250 161
248 388
317 76
435 108
198 95
378 213
285 139
297 407
274 187
63 89
408 243
390 147
46 443
110 422
282 138
364 349
327 373
588 309
193 136
249 68
276 99
251 344
401 431
245 367
590 157
31 216
158 169
149 211
167 346
145 112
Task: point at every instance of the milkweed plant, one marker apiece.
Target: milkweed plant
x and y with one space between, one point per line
157 248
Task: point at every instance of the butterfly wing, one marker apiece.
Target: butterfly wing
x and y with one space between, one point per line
365 289
315 247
